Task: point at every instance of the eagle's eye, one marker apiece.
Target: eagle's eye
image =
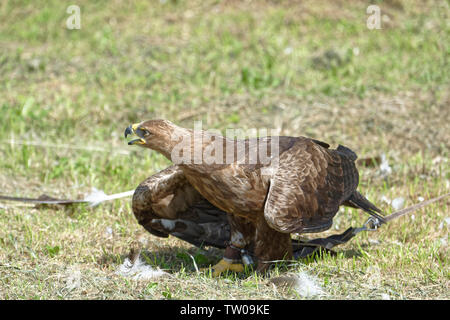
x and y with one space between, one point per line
146 132
142 132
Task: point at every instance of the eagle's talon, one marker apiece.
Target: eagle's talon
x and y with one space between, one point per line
223 266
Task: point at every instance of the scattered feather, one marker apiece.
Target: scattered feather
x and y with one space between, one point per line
385 168
373 277
139 270
386 199
385 296
73 280
95 197
397 243
287 51
305 285
446 221
195 263
108 231
438 160
398 203
98 196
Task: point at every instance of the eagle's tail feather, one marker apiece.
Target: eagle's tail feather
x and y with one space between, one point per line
357 200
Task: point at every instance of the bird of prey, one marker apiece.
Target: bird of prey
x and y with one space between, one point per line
242 202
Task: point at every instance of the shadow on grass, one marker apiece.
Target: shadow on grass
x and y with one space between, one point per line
351 253
177 259
189 261
171 259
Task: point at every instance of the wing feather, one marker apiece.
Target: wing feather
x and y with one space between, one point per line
310 184
166 204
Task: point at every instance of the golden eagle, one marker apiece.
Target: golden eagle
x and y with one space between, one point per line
243 202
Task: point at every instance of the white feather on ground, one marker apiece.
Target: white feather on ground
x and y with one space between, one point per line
398 203
98 196
108 231
385 296
385 168
305 285
386 199
72 279
446 221
372 277
374 242
139 270
95 197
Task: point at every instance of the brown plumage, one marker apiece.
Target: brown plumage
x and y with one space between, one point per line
298 190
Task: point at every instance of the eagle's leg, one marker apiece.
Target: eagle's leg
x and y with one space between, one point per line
228 264
270 245
242 233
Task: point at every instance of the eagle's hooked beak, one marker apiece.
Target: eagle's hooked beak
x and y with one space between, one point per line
132 130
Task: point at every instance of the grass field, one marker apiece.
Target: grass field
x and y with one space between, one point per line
309 68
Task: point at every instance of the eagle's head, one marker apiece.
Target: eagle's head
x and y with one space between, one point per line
159 135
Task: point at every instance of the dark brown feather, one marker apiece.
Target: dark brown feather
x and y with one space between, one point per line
166 204
308 187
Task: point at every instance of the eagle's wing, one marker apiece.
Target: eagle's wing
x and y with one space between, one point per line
166 204
309 185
